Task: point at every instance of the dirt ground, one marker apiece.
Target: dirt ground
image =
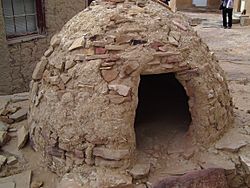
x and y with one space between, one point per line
232 48
169 156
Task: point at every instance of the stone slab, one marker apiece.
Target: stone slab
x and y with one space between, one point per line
18 97
3 137
21 180
22 137
3 126
140 171
38 72
111 154
2 160
8 185
245 160
232 141
209 178
19 115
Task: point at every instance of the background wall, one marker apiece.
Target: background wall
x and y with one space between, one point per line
248 7
183 4
213 3
23 56
5 78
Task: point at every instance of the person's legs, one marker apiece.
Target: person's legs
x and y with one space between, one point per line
230 17
224 16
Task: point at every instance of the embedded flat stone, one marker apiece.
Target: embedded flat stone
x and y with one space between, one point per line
3 127
54 151
3 137
175 35
109 75
173 59
99 43
209 178
19 115
55 41
80 57
245 160
111 154
232 141
3 160
181 26
18 97
140 171
121 39
115 47
8 185
167 66
117 99
11 160
65 78
100 56
173 41
40 67
78 43
21 180
22 137
107 163
232 147
114 179
155 62
100 50
140 186
165 54
6 119
49 51
210 160
4 101
120 89
69 64
130 67
107 64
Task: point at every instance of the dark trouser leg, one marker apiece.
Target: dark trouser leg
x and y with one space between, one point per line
230 17
224 16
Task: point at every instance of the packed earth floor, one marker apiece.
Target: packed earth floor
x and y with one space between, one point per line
232 48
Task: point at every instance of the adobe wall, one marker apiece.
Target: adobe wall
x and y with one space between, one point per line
248 7
183 4
25 55
4 66
213 3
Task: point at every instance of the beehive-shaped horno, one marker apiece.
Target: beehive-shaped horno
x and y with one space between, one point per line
84 92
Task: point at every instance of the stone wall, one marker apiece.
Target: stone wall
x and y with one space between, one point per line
24 55
84 92
4 66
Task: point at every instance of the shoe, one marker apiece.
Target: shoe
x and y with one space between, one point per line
229 27
224 27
